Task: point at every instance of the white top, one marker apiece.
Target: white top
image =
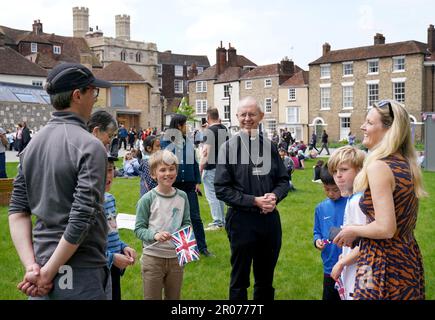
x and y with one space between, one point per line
352 216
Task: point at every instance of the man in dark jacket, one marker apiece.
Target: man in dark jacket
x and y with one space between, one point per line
324 143
26 136
65 254
251 179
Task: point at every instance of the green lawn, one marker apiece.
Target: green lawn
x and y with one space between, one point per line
298 273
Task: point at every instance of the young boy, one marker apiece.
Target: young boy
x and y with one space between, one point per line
344 165
329 213
119 255
161 212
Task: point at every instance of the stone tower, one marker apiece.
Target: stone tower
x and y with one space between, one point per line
80 21
122 27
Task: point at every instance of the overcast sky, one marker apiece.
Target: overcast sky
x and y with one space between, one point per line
264 31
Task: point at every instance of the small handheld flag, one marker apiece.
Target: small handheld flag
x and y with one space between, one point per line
339 286
185 245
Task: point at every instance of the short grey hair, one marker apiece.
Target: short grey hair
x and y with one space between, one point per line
248 101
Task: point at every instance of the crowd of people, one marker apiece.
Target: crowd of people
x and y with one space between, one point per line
364 228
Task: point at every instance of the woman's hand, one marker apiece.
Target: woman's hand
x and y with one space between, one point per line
345 237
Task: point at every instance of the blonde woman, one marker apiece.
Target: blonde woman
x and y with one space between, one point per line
390 264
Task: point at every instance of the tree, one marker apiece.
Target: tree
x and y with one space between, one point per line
186 109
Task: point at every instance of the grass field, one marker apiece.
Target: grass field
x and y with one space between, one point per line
298 274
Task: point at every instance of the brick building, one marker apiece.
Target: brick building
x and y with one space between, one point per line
218 86
129 97
174 71
345 83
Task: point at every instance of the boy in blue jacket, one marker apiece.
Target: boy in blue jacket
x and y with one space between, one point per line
328 213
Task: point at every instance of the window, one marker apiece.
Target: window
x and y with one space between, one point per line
373 66
347 97
131 54
347 69
325 98
291 94
344 127
201 86
34 47
37 83
123 55
325 71
160 82
201 106
399 91
159 69
26 97
292 115
178 86
200 70
178 71
267 83
138 57
56 49
226 112
248 84
227 92
398 64
268 105
372 93
118 97
345 122
271 125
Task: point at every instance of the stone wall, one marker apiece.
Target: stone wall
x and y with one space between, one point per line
35 115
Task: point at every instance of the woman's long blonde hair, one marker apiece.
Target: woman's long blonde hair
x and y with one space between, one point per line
397 139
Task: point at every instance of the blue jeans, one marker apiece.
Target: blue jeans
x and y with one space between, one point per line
217 207
3 165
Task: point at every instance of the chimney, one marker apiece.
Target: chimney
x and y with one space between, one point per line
221 59
122 26
2 40
192 71
431 38
80 21
37 27
326 48
379 39
287 66
232 56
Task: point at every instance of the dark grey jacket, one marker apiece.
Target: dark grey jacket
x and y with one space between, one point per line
61 181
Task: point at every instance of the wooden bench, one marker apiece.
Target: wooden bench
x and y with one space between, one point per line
6 187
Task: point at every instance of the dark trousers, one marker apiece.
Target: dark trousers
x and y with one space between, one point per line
329 292
324 146
116 283
195 216
121 141
255 239
313 146
3 165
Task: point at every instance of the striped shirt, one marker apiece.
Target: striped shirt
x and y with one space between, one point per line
114 243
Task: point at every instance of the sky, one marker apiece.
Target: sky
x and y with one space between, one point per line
263 31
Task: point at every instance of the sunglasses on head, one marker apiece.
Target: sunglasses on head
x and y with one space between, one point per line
384 103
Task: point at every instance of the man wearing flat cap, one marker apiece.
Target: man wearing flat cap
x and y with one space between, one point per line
61 181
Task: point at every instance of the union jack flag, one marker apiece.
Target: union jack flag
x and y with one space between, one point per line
185 245
339 286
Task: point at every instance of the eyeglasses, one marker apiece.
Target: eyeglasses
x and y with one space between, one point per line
249 115
384 103
96 91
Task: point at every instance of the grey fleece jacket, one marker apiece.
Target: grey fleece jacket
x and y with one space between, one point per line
61 181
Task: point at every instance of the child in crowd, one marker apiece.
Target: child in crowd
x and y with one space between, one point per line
131 165
317 168
329 213
161 212
289 164
295 160
151 144
344 164
301 158
119 255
